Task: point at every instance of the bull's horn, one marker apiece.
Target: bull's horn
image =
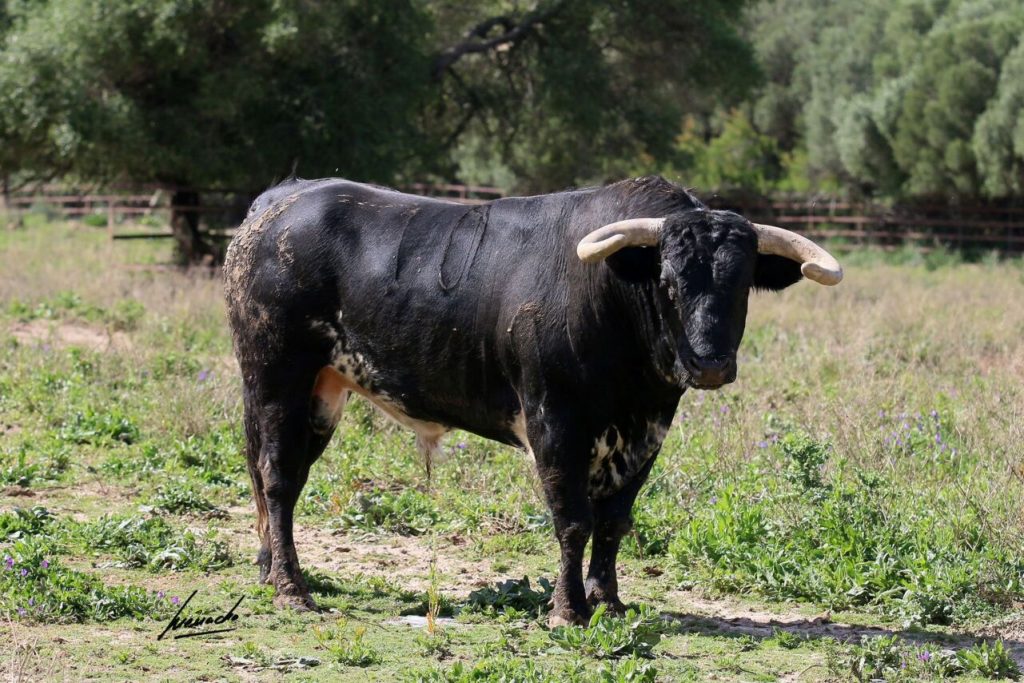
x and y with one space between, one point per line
817 264
608 239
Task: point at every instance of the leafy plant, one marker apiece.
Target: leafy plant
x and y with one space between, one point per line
635 633
409 512
182 497
154 544
100 427
37 587
515 594
344 648
990 661
20 523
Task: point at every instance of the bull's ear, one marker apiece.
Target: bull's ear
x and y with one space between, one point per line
774 273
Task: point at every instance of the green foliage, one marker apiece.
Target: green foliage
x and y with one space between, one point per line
606 637
202 94
901 99
891 659
345 648
515 594
21 523
805 457
93 427
527 670
36 586
408 512
180 91
989 661
853 542
738 158
153 543
181 497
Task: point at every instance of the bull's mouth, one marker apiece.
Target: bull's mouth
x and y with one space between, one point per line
705 386
704 375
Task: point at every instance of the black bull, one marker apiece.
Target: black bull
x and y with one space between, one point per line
484 319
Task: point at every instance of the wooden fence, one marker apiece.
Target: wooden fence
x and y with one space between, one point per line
976 226
924 226
220 210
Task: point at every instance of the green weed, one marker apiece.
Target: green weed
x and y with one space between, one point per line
513 594
409 512
21 523
990 661
91 426
635 633
346 648
181 497
857 540
37 587
152 543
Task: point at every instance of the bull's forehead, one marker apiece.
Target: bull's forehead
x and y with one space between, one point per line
709 248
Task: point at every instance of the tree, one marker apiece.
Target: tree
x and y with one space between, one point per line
913 98
198 93
585 90
205 94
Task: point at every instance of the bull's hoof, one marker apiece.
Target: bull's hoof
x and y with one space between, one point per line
264 562
598 595
614 608
298 603
566 618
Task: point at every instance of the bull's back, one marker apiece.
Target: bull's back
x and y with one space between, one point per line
417 293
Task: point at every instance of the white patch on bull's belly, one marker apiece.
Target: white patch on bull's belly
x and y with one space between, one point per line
608 444
518 427
358 375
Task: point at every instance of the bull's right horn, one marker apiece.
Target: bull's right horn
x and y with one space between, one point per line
608 239
816 263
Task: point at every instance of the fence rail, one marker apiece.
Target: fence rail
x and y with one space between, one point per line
979 226
983 226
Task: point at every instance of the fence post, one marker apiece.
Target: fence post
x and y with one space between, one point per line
110 218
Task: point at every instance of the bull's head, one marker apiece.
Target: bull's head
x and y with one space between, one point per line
709 261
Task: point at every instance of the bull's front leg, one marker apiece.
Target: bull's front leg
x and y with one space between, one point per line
612 521
562 465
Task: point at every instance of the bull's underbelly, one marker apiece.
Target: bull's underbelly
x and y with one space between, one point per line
617 455
430 411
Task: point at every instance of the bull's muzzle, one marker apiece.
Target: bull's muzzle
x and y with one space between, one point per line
710 373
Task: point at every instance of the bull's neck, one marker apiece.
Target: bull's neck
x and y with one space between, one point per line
646 311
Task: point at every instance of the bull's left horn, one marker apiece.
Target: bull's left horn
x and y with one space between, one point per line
608 239
816 263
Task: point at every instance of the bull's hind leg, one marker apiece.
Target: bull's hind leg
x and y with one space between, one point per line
294 426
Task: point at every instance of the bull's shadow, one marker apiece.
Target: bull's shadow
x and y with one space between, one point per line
817 628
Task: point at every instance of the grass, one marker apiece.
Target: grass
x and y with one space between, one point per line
866 467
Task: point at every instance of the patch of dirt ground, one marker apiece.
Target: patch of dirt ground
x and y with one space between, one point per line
69 334
404 560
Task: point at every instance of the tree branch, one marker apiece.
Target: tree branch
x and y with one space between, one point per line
476 41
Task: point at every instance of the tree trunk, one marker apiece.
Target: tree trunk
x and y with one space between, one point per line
191 248
5 201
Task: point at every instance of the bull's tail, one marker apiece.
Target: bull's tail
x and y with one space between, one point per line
253 445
